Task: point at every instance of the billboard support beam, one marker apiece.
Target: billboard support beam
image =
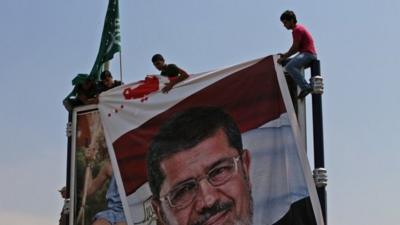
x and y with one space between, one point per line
69 154
320 173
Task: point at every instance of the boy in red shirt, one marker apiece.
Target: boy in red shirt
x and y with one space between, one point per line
303 44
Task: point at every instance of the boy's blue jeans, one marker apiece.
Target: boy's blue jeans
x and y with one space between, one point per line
294 66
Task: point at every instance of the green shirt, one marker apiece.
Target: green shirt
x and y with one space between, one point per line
170 70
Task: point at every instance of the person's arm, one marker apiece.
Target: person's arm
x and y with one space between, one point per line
86 100
293 50
101 178
183 75
93 184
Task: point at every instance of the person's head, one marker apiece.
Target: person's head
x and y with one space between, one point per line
87 84
288 18
63 192
106 78
158 61
198 171
82 81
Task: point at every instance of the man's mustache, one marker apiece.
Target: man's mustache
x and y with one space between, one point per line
207 213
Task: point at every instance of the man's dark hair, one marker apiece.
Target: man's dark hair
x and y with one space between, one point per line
105 74
288 15
186 130
157 57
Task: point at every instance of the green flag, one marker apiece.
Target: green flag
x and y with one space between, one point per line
110 39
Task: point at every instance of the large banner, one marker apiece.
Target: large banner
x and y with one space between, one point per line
222 147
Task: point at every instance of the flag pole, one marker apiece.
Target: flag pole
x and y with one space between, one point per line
120 65
107 65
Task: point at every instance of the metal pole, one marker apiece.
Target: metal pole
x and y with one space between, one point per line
69 146
319 160
106 65
120 66
69 157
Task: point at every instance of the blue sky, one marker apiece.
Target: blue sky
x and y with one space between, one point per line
45 43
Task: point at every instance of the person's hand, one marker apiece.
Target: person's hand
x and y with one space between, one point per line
282 58
167 88
94 100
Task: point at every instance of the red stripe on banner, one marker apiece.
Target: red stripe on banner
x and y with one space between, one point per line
251 96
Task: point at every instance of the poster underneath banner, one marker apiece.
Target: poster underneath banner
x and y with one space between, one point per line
94 194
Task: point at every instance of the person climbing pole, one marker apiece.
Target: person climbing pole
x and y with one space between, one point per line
303 44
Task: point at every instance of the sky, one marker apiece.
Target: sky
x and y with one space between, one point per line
45 43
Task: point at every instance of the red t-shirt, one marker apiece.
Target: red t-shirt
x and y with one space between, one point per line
306 41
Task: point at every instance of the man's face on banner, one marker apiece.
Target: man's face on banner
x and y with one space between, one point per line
207 184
